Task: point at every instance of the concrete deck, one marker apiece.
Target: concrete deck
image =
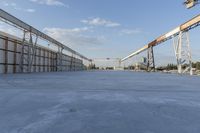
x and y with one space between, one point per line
99 102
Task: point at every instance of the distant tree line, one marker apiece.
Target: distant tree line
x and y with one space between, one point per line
171 67
174 67
92 66
196 65
168 67
129 67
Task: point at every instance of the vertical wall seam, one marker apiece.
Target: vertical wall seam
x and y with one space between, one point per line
6 56
15 57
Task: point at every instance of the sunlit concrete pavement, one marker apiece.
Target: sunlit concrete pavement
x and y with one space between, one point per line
99 102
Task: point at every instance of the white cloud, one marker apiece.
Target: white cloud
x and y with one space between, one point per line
100 22
6 3
49 2
73 37
30 10
25 10
10 29
16 7
130 31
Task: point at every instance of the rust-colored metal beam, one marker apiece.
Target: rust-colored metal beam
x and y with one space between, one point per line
190 23
183 27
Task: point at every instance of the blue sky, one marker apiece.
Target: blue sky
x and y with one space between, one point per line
107 28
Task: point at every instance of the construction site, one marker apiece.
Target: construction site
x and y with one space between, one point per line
48 87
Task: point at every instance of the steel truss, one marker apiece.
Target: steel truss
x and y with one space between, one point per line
183 55
182 45
28 52
150 60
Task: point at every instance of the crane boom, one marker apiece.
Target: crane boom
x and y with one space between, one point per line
184 27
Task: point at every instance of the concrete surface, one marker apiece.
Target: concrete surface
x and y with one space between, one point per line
99 102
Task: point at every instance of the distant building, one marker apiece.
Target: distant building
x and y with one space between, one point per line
140 66
118 68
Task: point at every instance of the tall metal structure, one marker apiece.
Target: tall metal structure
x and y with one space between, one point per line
183 52
150 60
28 44
182 45
28 52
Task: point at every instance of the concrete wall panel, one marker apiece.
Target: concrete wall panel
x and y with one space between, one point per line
44 59
1 68
2 44
10 57
10 69
2 56
10 46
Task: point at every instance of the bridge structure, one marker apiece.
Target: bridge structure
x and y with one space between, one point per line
181 43
29 49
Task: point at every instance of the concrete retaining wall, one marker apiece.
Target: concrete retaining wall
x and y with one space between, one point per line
45 60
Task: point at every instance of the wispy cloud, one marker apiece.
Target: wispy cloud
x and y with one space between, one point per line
49 2
74 37
10 29
100 22
30 10
16 7
5 3
130 31
70 31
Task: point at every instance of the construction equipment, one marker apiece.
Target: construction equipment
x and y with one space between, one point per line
181 45
191 3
